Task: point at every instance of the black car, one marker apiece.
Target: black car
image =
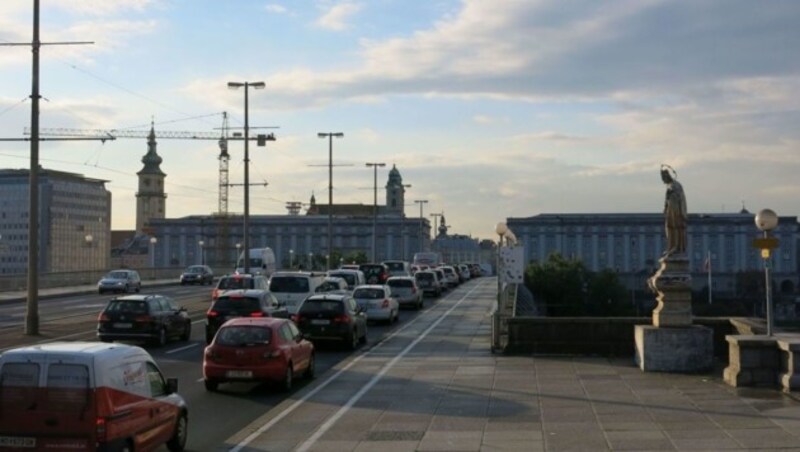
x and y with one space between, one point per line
330 316
375 273
197 274
241 303
153 318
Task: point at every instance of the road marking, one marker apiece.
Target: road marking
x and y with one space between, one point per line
358 395
180 349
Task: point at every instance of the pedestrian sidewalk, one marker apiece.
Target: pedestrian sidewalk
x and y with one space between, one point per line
433 385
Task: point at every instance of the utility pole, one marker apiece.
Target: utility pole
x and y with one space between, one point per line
421 202
329 136
32 307
375 167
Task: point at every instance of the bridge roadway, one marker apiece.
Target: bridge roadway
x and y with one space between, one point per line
431 384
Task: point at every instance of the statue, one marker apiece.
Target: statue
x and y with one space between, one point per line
675 213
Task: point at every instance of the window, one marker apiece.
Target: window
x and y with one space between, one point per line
158 387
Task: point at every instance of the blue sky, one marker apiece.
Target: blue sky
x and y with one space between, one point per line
489 109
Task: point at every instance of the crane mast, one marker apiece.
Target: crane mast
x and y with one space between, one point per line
224 159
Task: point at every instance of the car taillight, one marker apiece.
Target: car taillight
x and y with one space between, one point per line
144 318
385 303
272 354
103 317
384 277
296 318
413 290
341 319
100 429
257 314
212 313
210 355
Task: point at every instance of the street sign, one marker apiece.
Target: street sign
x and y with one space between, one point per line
765 243
765 253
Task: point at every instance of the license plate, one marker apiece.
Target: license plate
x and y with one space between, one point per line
123 325
320 322
239 374
17 441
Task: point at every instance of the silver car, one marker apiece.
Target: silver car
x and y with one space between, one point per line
405 290
120 281
377 301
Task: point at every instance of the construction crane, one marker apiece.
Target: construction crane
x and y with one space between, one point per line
224 158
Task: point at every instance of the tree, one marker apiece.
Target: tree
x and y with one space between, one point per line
560 284
358 257
607 296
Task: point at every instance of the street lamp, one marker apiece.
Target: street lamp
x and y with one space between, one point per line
767 220
88 239
375 166
153 242
291 259
329 136
310 261
238 253
246 85
420 202
202 252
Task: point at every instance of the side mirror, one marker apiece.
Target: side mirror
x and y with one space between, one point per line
172 385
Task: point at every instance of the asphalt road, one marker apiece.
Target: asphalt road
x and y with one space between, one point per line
213 417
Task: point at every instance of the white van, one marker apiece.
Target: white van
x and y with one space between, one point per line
353 277
88 396
291 288
262 262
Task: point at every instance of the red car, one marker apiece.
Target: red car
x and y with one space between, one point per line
257 349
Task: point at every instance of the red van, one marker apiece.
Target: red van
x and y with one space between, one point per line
88 396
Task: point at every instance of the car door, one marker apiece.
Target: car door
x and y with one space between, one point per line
302 348
175 317
358 315
163 411
157 311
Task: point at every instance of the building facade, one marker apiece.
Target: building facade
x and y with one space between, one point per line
151 201
178 241
632 244
74 227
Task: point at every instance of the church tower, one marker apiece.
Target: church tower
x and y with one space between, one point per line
150 199
395 193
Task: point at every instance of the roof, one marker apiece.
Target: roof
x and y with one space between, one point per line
89 348
254 321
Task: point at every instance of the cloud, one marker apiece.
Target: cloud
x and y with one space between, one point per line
103 7
336 17
275 8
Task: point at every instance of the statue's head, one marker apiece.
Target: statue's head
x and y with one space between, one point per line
665 175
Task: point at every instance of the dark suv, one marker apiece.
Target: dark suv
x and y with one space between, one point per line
197 274
239 282
154 318
241 303
375 273
332 317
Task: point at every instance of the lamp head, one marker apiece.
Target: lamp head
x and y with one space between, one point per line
235 85
501 228
153 240
258 85
766 220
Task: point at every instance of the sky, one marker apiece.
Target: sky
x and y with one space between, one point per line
489 109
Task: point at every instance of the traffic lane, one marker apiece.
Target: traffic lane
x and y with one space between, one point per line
215 417
13 313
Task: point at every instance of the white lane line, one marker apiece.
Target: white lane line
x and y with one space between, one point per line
180 349
261 430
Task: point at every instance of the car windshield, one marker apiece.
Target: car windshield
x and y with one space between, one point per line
448 270
350 278
400 283
312 306
242 336
288 284
117 275
368 293
372 270
235 283
236 303
395 266
127 306
327 286
194 270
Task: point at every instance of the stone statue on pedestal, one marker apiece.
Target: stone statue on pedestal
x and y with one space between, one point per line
675 213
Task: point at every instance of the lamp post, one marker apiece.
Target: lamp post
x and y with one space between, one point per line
375 167
246 85
202 252
403 231
291 259
420 202
310 261
153 242
767 220
238 253
87 240
329 136
501 229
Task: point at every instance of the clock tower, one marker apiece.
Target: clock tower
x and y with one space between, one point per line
150 199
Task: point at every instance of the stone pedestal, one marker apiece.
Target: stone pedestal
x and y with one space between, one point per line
789 377
673 283
682 350
672 343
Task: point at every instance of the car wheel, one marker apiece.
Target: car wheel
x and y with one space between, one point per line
286 385
353 343
178 441
187 332
363 339
310 370
101 291
211 386
127 447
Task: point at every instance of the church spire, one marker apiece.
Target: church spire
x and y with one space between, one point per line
152 161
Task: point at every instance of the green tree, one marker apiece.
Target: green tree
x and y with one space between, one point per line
559 283
358 257
607 296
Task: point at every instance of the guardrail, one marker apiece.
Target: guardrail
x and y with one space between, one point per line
17 282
